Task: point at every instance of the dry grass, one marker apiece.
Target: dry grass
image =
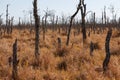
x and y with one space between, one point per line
71 62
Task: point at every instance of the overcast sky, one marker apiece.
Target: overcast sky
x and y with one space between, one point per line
18 8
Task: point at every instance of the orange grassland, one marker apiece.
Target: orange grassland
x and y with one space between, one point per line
75 64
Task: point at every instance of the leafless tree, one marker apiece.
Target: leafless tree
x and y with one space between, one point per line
1 21
105 18
48 13
11 24
19 22
107 49
15 62
52 19
30 12
37 24
81 6
112 10
7 21
83 14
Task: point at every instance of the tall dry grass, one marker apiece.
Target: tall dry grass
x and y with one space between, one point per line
74 64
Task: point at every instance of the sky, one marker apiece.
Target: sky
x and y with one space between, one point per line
21 8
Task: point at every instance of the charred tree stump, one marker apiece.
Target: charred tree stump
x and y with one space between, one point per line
107 58
15 62
59 43
91 48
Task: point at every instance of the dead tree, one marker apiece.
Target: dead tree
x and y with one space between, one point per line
36 17
19 23
11 25
82 7
46 17
1 21
83 14
30 12
7 21
48 13
52 17
15 61
7 15
63 22
71 21
105 14
43 27
94 23
102 18
107 58
56 22
59 26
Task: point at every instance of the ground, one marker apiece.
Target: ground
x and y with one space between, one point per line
71 62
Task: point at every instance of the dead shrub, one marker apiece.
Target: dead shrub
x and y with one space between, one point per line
43 44
7 37
115 52
35 64
24 61
79 77
63 34
62 65
115 35
4 72
47 77
45 62
61 52
96 45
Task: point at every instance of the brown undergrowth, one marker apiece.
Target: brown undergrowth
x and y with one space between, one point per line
66 63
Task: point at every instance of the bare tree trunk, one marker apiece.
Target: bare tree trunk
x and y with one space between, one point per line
83 13
105 15
102 18
94 24
83 29
15 61
53 23
11 26
107 58
7 19
56 23
36 30
81 6
19 24
71 21
43 27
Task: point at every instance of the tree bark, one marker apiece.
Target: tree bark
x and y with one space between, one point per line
107 58
36 29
